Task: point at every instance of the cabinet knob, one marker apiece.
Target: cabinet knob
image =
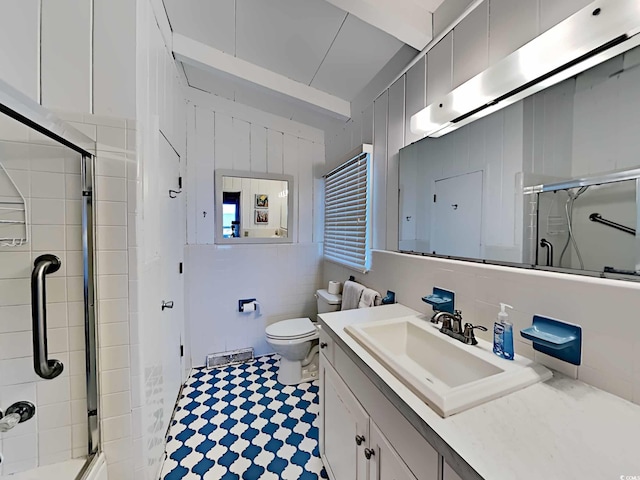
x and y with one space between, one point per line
359 439
323 344
368 452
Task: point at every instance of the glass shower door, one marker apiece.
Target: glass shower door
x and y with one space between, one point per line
47 334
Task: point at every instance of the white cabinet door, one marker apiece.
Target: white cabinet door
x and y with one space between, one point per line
385 464
342 420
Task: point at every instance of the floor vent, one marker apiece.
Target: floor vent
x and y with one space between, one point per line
229 358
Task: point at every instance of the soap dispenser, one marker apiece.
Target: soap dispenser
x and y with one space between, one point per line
503 334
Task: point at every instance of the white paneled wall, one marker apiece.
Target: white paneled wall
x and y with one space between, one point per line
609 359
395 141
248 144
471 45
72 55
379 170
19 28
226 135
66 55
416 97
440 69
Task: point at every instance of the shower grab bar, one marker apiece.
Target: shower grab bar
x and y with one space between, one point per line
45 368
596 217
544 243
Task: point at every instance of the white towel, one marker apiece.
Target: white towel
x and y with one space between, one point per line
351 294
369 298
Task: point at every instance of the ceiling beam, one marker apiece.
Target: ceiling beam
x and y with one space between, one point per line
404 19
202 56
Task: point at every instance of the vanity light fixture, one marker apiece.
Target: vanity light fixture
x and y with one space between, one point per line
587 38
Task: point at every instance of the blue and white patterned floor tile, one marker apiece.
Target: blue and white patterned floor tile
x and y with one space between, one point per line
238 422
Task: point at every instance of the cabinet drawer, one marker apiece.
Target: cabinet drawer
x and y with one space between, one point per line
327 345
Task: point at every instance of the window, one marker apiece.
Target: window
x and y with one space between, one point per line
347 213
231 214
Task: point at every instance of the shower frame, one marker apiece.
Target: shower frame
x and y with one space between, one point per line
22 109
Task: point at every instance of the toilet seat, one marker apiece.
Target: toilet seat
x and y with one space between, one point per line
293 329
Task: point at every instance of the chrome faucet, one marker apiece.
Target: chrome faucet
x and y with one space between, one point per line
452 326
450 321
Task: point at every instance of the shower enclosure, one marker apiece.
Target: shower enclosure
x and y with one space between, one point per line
49 408
589 224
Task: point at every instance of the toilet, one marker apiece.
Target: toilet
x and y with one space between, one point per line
296 341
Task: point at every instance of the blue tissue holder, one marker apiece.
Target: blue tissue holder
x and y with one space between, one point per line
555 338
441 300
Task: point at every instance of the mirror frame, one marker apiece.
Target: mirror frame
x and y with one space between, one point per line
217 235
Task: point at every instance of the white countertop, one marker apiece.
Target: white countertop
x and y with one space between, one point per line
560 429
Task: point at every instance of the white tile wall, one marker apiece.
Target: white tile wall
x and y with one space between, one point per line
112 267
283 278
609 355
49 180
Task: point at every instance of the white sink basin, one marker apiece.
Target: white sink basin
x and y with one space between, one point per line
448 375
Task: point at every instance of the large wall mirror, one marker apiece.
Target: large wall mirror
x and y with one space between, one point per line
253 207
550 181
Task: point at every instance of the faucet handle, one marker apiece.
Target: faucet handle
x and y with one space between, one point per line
469 337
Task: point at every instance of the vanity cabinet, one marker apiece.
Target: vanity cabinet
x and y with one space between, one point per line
345 425
385 464
356 441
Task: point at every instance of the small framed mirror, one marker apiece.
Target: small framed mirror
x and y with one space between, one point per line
253 207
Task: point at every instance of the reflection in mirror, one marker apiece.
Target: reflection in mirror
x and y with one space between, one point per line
461 195
252 207
588 228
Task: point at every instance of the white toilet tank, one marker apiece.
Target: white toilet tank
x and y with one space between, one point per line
328 302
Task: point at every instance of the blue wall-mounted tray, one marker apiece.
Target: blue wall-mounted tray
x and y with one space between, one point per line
555 338
441 300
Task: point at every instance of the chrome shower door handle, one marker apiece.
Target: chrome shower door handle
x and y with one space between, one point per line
44 367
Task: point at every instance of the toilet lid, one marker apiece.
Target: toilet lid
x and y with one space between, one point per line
294 328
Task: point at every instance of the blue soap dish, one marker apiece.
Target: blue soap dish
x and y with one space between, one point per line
441 300
555 338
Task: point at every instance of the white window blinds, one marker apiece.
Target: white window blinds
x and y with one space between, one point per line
347 213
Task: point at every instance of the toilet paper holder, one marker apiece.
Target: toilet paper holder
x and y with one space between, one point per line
242 302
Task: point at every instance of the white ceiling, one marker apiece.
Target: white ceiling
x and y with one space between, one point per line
309 41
